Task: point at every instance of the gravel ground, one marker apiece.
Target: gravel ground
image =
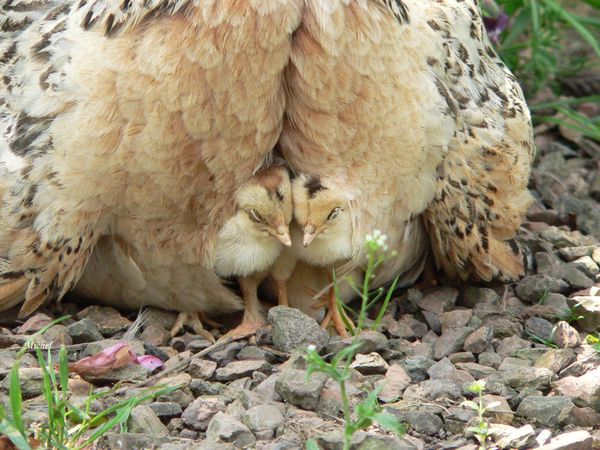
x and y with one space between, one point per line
526 340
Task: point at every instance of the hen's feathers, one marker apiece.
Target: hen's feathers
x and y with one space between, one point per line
130 137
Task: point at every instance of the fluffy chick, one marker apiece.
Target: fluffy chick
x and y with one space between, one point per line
325 230
249 243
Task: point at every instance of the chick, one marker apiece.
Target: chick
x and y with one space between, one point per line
249 244
325 230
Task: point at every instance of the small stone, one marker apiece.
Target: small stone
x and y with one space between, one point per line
266 388
509 437
292 329
433 321
498 410
503 325
574 440
108 320
532 288
527 377
458 318
510 344
473 296
240 369
84 330
565 336
478 371
479 340
199 413
166 409
450 342
294 387
439 300
584 417
536 326
143 419
443 369
572 253
583 390
461 357
596 255
407 327
55 337
225 428
458 419
549 411
510 363
370 364
531 355
31 381
330 403
434 390
421 422
556 359
576 278
253 352
370 341
559 238
587 265
416 367
395 382
263 420
202 368
155 335
228 353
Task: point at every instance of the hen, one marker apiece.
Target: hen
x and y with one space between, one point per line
129 125
119 120
419 125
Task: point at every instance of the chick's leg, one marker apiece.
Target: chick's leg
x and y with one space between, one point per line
253 317
333 313
282 293
192 320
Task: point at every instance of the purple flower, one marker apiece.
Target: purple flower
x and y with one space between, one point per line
495 26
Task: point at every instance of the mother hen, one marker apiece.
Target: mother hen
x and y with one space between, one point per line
128 125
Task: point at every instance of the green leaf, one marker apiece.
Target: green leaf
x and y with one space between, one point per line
311 444
390 423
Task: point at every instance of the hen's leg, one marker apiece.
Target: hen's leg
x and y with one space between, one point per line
192 320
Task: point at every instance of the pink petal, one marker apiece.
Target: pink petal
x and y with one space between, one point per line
149 362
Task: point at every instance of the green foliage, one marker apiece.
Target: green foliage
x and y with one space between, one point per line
481 429
594 340
68 427
367 412
531 44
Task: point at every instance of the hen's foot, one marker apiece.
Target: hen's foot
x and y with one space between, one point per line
192 320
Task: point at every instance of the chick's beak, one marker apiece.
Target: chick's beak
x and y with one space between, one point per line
309 235
283 234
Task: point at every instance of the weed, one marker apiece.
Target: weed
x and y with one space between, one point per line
68 427
570 316
368 411
594 340
481 430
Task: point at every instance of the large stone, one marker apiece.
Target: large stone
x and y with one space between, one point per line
527 377
84 330
371 364
292 329
541 328
556 359
458 318
396 380
420 421
108 320
574 440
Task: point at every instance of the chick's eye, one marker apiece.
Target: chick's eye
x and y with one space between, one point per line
334 213
255 216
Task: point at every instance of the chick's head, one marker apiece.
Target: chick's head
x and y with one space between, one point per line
321 211
265 204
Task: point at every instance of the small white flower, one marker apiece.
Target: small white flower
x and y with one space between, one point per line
312 348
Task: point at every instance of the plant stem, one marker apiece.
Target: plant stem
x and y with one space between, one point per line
347 418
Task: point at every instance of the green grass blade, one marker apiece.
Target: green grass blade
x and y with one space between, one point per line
386 301
14 435
311 444
16 398
572 20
